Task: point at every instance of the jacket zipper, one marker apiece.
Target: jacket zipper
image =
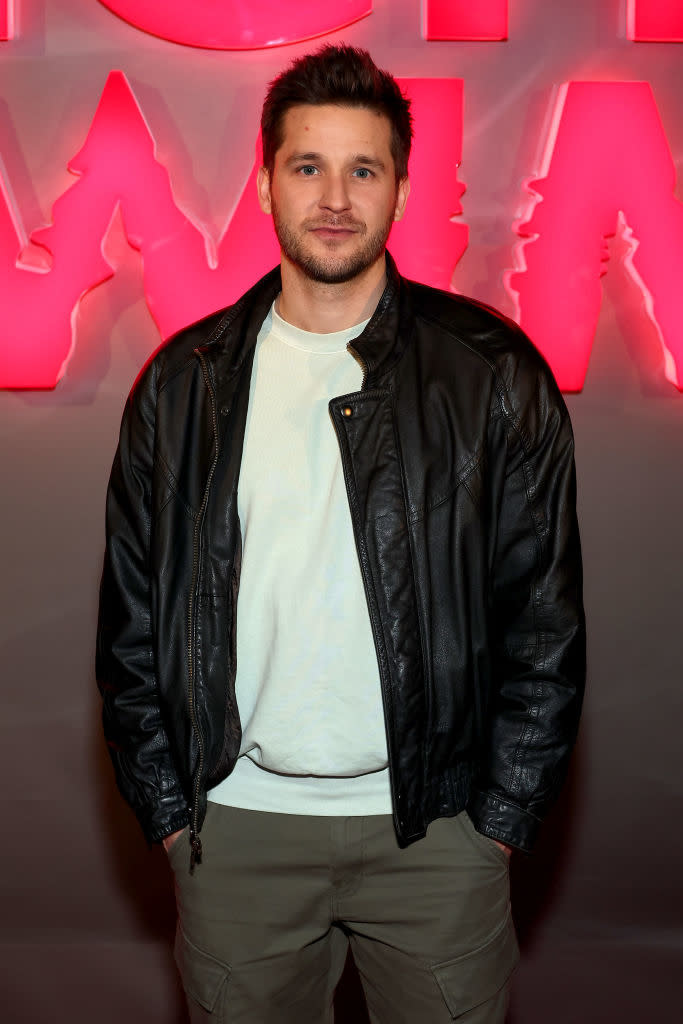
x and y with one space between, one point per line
363 365
195 841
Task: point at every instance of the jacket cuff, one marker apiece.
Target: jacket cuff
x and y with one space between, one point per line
160 821
502 820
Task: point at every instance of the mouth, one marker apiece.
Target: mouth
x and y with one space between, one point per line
334 232
327 231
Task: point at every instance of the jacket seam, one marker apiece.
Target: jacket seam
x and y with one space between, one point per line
172 482
148 544
215 335
413 575
187 361
529 727
507 801
417 514
454 333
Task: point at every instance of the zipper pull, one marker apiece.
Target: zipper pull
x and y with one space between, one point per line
195 850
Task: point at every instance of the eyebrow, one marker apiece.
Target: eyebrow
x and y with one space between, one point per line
371 161
357 158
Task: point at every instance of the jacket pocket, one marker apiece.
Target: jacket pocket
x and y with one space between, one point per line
204 977
471 979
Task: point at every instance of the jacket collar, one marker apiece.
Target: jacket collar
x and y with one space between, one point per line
379 346
384 339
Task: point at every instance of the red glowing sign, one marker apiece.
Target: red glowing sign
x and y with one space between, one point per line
606 155
117 169
658 21
462 19
186 275
6 20
426 243
238 24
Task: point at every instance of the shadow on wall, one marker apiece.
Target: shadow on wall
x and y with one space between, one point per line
536 880
141 877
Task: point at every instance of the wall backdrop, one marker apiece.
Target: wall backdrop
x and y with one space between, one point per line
87 910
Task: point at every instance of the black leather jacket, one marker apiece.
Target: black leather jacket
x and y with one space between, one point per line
458 459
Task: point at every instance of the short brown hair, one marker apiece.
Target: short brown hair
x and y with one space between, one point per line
347 77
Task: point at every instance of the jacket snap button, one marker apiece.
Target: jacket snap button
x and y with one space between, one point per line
225 409
347 411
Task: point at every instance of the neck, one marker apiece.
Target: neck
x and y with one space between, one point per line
325 308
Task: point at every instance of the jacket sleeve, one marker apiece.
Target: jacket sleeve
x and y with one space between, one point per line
536 607
125 663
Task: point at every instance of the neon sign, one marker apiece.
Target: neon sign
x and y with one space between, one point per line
462 19
658 21
235 25
558 264
606 155
606 162
426 243
186 275
6 20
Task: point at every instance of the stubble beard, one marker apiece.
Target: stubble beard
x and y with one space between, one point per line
331 269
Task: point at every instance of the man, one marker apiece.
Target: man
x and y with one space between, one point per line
341 639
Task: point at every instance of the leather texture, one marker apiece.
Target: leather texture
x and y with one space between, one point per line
458 460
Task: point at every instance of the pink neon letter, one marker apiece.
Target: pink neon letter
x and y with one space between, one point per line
236 24
6 20
185 275
116 168
607 153
426 244
463 19
657 21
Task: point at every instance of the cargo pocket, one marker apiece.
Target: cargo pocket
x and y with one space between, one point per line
469 980
204 978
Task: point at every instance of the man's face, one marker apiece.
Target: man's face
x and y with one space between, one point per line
333 192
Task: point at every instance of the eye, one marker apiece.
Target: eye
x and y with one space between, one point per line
308 170
362 172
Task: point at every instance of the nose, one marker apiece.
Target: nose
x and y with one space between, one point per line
335 195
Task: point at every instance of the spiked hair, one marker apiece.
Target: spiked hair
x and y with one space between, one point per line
344 76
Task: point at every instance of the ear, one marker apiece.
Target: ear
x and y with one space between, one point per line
402 193
263 189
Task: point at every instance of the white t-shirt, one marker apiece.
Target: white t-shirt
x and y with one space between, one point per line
308 689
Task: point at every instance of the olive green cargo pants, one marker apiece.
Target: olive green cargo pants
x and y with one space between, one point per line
265 920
